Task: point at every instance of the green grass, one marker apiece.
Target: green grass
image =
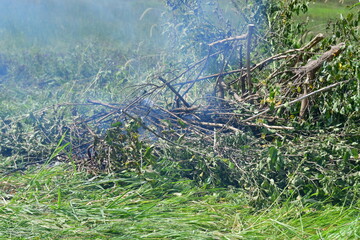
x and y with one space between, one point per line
81 47
61 203
321 12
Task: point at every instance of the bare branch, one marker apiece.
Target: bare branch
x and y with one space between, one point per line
174 91
296 100
241 37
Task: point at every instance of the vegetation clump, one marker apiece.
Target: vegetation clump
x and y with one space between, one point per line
245 110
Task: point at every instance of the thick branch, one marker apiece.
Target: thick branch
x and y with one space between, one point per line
220 125
314 65
251 29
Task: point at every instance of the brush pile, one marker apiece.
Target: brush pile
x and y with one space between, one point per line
233 101
233 106
237 126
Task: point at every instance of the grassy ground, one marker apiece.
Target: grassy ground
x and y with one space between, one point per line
321 12
61 203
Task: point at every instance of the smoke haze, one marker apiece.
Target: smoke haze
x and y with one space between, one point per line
26 23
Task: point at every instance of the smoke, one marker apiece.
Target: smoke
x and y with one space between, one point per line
26 23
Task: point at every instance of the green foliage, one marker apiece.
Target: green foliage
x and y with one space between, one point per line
33 138
318 161
343 105
122 149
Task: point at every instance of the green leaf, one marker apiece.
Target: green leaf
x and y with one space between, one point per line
116 124
181 138
273 155
231 165
355 153
148 152
59 148
346 156
181 123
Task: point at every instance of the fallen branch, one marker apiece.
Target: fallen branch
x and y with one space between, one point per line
296 100
285 54
262 64
95 102
313 65
210 76
241 37
185 110
270 126
224 126
174 91
277 127
251 28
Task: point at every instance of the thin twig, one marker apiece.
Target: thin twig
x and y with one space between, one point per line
241 37
95 102
220 125
174 91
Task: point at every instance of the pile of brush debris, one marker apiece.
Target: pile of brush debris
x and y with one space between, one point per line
233 106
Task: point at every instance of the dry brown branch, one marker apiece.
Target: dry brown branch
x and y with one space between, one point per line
185 110
90 131
277 127
310 69
241 79
220 125
262 64
146 127
162 137
269 126
313 65
313 42
171 113
296 100
285 54
251 28
220 86
174 91
95 102
193 66
236 38
199 74
106 116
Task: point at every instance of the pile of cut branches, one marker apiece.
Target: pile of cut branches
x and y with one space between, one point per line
233 104
233 101
226 128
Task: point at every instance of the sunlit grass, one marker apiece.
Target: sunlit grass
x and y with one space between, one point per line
59 202
321 12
